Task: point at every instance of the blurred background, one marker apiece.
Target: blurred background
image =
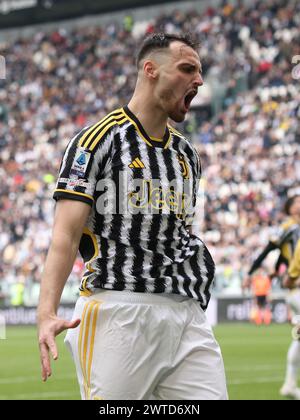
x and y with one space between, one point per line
63 75
69 63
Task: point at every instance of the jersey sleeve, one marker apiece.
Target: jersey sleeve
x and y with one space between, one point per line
81 168
294 268
257 263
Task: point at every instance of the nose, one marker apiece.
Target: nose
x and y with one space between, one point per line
198 80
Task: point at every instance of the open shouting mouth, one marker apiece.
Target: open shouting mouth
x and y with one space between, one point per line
188 98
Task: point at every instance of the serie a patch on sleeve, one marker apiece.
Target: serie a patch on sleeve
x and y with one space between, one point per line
80 163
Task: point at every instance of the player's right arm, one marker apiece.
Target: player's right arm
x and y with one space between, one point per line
82 166
275 242
257 263
281 237
69 221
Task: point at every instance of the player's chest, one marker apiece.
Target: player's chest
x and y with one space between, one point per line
140 161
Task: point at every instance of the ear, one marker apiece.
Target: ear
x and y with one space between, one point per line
150 69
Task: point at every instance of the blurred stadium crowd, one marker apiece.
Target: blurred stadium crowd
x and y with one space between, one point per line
59 82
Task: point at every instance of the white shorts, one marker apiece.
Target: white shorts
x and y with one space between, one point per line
136 346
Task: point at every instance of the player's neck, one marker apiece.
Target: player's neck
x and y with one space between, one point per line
152 118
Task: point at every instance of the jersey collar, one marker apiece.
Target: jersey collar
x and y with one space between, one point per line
151 141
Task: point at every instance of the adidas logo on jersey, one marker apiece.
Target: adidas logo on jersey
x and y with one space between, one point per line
136 163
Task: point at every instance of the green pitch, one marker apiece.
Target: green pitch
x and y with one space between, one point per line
254 361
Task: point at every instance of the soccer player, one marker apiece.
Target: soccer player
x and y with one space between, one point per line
286 239
126 195
292 281
288 242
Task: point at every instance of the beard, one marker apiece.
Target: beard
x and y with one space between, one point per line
177 117
172 106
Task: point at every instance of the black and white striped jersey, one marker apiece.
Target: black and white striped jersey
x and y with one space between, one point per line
142 191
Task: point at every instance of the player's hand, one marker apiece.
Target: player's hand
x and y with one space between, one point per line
48 329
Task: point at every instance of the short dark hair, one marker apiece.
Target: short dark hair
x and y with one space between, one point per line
290 201
158 41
